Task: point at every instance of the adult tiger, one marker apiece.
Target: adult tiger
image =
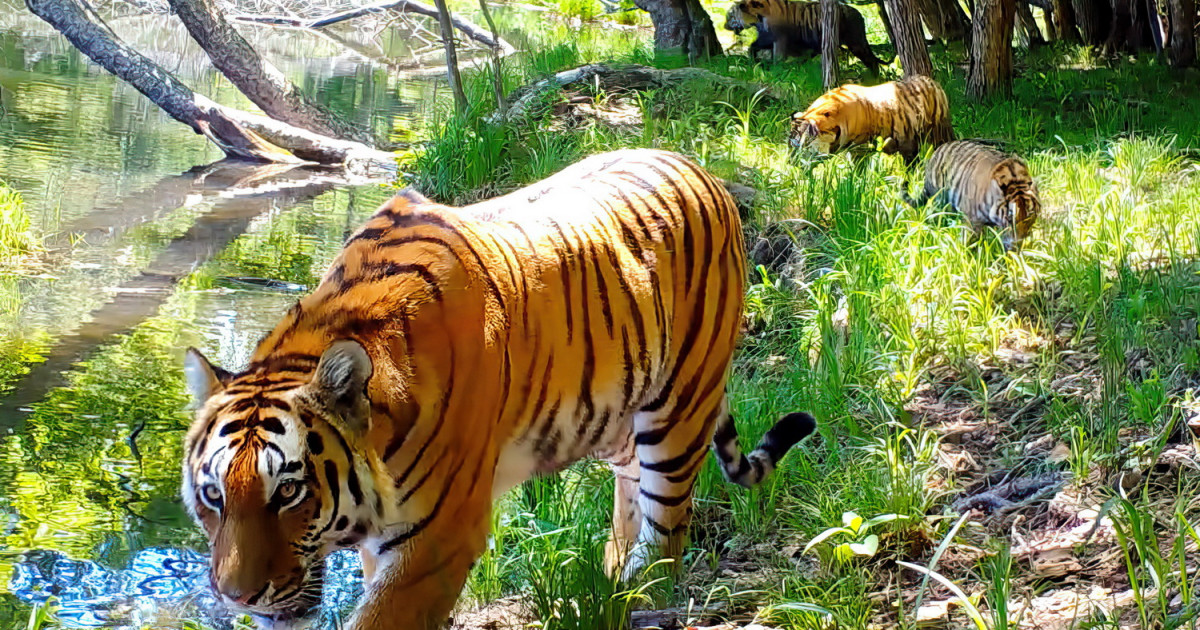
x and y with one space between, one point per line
905 113
989 188
763 40
450 353
795 28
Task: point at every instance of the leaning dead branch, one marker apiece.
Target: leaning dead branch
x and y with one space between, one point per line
619 77
468 28
239 134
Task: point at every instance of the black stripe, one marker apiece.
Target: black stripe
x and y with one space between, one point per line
420 525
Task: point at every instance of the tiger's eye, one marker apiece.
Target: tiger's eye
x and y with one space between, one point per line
288 490
212 494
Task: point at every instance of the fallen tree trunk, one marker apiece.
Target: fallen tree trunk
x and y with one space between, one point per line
256 77
239 134
626 77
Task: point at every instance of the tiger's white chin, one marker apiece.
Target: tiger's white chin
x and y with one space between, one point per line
287 621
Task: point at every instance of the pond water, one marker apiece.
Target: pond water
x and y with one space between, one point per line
152 245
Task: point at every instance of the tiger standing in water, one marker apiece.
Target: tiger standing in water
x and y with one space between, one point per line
904 113
451 353
989 188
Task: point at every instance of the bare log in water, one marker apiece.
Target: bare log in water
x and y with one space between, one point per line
239 134
468 28
256 77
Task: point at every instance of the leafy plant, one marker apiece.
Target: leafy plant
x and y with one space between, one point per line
860 543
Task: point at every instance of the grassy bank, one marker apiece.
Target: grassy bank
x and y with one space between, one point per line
1042 394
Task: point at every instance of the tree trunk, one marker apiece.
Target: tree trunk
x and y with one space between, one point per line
237 133
887 22
683 25
1033 34
991 49
829 43
1064 22
1094 19
909 38
1182 14
944 19
452 74
497 74
256 77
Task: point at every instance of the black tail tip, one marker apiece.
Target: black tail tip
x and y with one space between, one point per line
787 432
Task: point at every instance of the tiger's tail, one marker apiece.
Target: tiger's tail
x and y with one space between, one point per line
749 470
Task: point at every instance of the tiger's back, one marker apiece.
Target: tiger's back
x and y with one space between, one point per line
449 353
906 113
988 186
795 27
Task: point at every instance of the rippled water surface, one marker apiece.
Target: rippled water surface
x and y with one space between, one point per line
151 245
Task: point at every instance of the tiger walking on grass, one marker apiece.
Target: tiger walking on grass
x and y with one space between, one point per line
990 189
794 29
904 113
451 353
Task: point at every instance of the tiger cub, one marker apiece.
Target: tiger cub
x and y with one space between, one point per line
449 354
988 187
905 113
795 28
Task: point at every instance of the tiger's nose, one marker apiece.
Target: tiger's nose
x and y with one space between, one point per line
240 594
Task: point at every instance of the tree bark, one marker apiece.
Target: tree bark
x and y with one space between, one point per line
256 77
887 21
1094 19
909 38
1182 38
991 49
1064 22
829 43
497 74
1033 34
944 19
237 133
452 74
682 25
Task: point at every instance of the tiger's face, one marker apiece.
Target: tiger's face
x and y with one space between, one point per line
743 15
271 477
1023 210
821 126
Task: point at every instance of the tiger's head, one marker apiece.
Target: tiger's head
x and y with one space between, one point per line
1020 205
271 475
825 125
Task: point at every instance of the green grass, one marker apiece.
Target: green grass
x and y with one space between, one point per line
882 312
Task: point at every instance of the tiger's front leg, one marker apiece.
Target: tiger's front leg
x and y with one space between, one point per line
415 586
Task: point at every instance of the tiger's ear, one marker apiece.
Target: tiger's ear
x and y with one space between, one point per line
340 379
203 378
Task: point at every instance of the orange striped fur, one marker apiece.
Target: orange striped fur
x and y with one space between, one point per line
905 113
989 188
795 27
451 353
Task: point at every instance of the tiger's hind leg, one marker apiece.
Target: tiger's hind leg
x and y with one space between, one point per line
627 512
671 445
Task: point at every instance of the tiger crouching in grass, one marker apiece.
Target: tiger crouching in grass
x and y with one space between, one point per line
795 28
905 113
989 188
449 354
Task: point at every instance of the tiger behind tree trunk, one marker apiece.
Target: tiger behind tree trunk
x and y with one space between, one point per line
988 187
795 28
763 40
905 113
451 353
